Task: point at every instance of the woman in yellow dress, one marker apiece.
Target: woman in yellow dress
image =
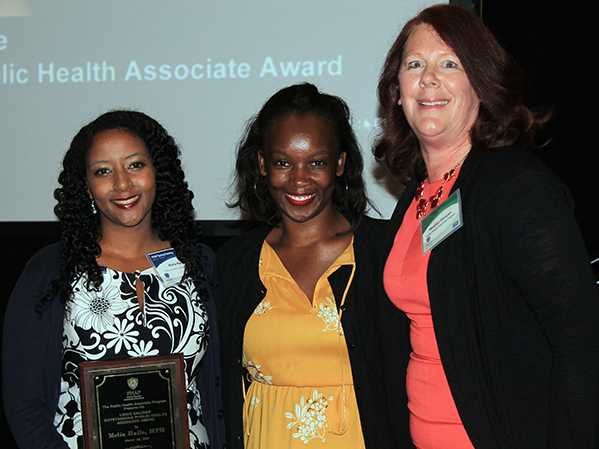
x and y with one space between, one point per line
302 365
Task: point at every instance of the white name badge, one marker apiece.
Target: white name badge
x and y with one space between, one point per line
441 222
167 266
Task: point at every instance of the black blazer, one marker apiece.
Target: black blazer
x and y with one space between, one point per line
514 307
242 290
32 355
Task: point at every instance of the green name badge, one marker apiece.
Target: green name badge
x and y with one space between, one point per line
442 222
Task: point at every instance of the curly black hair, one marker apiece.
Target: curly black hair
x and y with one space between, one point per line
251 191
172 210
496 78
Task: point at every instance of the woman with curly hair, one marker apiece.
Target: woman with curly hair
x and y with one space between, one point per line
99 293
300 349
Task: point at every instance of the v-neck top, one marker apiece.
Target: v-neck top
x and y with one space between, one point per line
297 361
405 281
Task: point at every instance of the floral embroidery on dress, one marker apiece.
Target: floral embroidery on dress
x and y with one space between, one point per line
255 373
262 308
310 419
254 402
327 312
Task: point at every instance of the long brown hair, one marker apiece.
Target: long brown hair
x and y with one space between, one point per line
498 81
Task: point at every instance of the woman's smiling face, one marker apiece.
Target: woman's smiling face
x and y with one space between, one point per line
435 93
121 179
300 162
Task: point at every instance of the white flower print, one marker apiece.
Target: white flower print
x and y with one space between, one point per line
96 310
254 402
109 323
142 349
78 424
121 334
310 419
68 393
68 416
195 403
262 308
254 370
327 312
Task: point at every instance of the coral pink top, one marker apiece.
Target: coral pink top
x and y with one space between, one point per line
405 280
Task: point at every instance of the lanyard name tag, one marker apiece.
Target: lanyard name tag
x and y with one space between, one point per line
167 266
441 222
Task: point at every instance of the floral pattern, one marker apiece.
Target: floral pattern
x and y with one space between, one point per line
143 349
327 312
310 418
300 391
255 373
68 418
121 334
96 311
255 402
262 308
109 324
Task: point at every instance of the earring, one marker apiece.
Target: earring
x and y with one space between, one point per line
345 185
93 206
399 102
256 192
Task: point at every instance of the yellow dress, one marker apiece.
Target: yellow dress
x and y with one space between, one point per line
301 393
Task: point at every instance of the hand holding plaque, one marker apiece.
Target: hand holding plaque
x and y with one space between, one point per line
137 403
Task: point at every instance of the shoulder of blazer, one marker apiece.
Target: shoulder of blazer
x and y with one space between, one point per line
486 172
48 255
207 261
369 238
44 266
396 219
369 226
33 283
237 264
241 245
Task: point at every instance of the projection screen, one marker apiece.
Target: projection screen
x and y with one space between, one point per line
200 68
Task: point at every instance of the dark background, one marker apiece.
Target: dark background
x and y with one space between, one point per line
540 37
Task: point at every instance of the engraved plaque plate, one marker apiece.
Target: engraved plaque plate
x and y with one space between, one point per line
137 403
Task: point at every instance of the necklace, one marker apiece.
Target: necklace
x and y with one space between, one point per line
424 205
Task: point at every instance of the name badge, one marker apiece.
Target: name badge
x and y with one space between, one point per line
442 222
167 266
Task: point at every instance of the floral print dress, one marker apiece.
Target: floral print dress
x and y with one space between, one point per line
109 324
301 392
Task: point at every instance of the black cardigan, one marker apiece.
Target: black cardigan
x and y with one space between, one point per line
32 356
242 291
514 307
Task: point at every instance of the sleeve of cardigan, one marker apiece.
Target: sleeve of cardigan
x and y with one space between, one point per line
222 262
220 267
542 250
26 344
392 331
210 366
